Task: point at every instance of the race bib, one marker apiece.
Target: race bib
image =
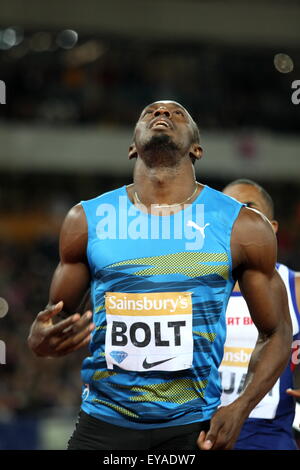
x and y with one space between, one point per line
149 331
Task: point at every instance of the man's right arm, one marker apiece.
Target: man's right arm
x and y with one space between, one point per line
69 284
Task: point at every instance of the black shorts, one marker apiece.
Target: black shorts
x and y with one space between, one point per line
93 434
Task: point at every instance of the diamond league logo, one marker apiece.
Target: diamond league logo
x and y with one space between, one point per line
119 356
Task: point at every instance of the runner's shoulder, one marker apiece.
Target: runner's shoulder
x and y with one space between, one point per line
251 224
73 235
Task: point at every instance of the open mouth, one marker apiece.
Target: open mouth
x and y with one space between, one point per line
161 124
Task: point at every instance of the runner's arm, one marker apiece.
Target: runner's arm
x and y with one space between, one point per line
69 284
254 246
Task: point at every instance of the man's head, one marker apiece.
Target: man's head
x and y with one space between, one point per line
165 134
253 195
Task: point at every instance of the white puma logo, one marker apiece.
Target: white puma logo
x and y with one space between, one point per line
201 229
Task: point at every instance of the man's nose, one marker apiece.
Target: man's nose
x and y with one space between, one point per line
162 111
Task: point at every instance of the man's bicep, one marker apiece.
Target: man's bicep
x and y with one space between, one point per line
266 298
69 283
260 283
74 237
71 278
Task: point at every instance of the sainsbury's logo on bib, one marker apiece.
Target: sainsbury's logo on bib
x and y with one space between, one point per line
165 303
149 331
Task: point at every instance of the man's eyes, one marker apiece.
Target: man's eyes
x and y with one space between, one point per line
177 111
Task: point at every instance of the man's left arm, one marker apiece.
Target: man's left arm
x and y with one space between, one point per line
256 249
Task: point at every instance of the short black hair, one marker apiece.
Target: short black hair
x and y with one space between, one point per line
266 196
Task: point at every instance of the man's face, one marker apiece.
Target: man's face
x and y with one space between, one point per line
164 121
249 195
252 197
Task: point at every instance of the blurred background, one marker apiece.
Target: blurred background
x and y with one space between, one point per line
77 76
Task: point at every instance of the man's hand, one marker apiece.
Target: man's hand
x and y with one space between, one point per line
47 339
293 392
225 427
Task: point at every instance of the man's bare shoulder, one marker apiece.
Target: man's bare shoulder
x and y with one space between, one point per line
74 234
252 223
75 215
253 239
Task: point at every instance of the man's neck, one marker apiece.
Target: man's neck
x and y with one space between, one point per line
163 185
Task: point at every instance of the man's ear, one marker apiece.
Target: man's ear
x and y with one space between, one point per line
196 152
275 225
132 152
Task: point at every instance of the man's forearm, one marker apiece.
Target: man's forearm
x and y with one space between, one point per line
268 360
85 304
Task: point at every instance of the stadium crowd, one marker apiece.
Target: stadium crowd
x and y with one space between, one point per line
101 80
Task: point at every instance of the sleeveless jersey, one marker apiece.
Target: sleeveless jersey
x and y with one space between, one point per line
269 425
159 287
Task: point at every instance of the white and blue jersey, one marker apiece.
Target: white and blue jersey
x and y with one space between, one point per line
269 425
159 287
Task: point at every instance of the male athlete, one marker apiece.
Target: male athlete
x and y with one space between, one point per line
161 257
269 426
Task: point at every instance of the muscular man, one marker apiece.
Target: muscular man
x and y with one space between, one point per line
161 257
269 425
